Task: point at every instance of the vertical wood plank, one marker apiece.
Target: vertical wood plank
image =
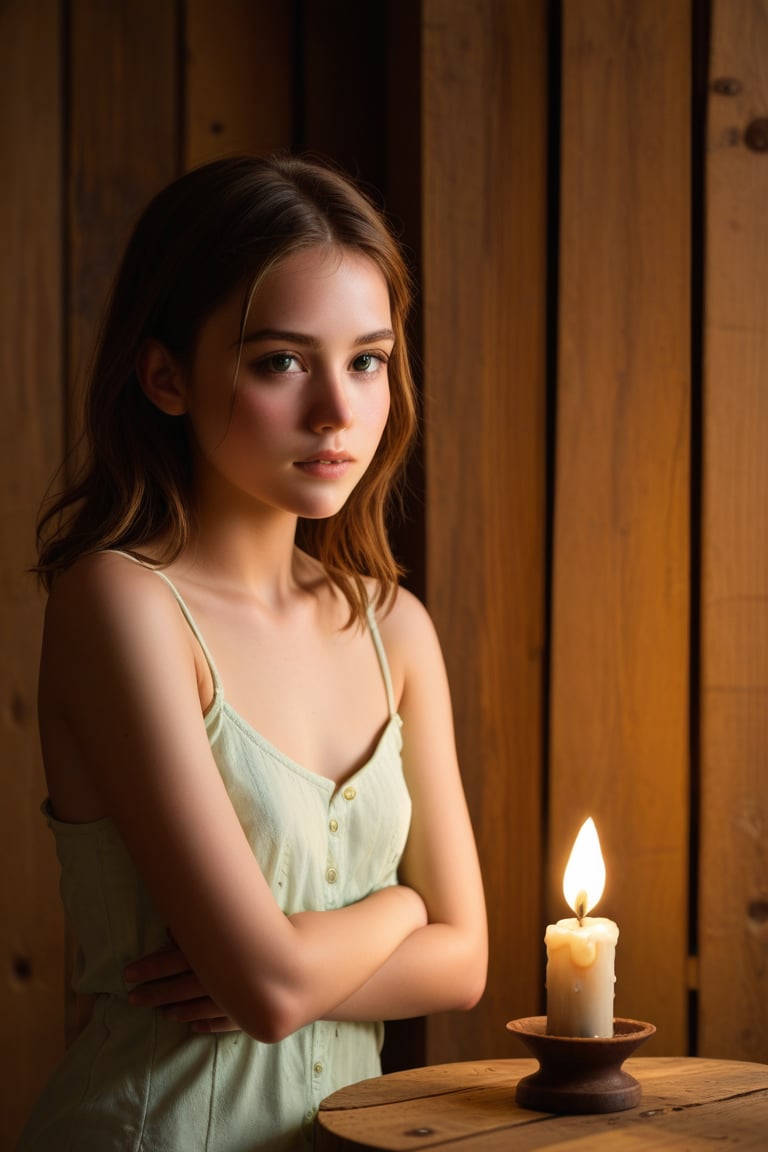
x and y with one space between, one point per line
403 194
484 173
123 146
343 62
31 923
619 696
733 938
239 78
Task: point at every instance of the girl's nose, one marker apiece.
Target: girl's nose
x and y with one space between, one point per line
330 409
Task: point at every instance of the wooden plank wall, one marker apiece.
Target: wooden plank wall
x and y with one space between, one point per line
733 893
238 79
619 694
484 257
121 146
31 435
538 159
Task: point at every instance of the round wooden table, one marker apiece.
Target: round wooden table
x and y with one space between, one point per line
686 1104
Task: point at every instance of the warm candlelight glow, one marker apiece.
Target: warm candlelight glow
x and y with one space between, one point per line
584 878
580 951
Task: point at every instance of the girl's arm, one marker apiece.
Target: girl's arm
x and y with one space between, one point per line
119 687
441 966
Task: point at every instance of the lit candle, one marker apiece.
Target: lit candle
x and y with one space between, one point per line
581 950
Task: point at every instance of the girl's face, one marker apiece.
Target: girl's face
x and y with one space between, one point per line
312 392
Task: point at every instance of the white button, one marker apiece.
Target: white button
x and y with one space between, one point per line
331 876
349 793
333 825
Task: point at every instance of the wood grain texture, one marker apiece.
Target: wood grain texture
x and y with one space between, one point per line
686 1105
620 630
239 78
733 936
123 147
346 78
484 192
31 923
618 723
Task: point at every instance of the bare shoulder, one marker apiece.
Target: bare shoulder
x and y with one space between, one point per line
106 587
422 690
406 621
107 621
411 643
106 608
102 575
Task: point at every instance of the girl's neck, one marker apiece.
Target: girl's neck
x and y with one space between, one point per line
255 560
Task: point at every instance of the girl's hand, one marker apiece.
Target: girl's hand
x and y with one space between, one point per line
166 982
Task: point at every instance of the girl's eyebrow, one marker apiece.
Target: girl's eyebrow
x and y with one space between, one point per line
307 341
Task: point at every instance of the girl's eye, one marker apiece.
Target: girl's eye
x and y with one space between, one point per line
280 363
368 362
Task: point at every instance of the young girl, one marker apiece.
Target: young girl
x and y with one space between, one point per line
245 723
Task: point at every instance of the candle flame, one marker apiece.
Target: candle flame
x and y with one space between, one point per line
584 878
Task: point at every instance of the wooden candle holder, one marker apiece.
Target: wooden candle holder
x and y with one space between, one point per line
579 1075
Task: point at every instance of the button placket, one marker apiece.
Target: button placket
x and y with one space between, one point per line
335 826
332 857
318 1058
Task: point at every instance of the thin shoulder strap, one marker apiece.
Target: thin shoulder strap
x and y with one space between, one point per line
383 663
184 609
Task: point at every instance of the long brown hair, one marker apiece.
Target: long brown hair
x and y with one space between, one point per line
219 227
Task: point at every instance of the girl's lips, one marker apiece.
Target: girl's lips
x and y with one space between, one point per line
329 457
326 466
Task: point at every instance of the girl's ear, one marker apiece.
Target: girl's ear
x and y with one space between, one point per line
161 378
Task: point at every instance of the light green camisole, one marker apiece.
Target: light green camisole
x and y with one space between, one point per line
135 1082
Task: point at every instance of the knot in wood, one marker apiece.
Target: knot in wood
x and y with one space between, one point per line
756 135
